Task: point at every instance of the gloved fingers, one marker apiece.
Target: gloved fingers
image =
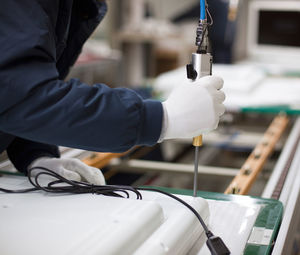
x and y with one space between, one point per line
220 96
193 109
215 81
67 174
44 162
90 174
220 109
216 124
95 176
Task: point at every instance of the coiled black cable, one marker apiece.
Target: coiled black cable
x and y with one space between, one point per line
63 185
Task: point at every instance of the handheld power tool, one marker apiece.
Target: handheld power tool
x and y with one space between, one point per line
201 65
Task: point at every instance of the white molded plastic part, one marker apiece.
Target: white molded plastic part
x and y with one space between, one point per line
180 230
39 223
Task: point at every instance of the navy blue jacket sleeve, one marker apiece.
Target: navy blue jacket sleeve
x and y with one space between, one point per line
36 105
22 152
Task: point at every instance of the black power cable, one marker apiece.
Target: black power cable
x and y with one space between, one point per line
63 185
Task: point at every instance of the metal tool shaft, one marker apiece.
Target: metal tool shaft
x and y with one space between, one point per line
197 142
196 170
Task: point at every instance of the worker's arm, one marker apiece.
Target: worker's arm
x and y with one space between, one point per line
36 105
22 152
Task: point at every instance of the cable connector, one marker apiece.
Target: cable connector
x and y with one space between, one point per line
216 245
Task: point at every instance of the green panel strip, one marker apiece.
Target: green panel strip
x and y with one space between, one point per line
10 173
272 109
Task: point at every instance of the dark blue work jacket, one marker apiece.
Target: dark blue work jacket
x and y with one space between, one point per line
39 41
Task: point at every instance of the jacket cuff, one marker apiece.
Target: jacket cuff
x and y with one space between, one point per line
23 152
152 123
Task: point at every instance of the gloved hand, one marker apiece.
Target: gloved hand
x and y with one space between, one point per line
70 168
193 108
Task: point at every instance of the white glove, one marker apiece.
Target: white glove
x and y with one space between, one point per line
193 108
70 168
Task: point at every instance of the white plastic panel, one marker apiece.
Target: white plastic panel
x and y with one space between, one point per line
40 223
231 221
180 230
81 224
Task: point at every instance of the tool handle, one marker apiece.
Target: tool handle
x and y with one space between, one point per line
200 66
197 141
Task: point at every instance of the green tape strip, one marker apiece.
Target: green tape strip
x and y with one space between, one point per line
272 109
